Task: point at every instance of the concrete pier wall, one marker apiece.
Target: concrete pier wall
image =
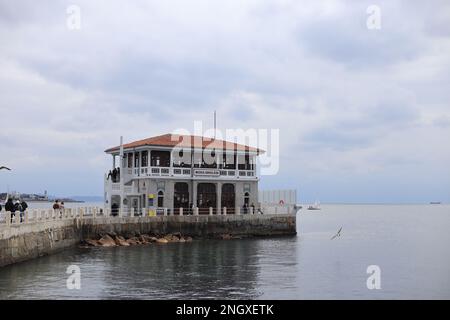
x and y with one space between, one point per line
203 226
20 242
24 241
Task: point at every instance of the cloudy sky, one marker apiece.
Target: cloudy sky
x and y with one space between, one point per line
363 113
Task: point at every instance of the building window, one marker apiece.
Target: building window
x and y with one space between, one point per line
144 156
244 162
181 158
160 158
181 195
228 197
246 199
209 159
160 199
136 160
229 161
130 160
206 195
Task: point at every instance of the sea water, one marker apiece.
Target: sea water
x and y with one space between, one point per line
408 244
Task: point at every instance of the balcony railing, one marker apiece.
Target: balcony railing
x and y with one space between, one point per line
184 172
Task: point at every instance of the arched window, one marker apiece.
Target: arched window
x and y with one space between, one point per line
246 199
160 199
206 195
228 197
181 195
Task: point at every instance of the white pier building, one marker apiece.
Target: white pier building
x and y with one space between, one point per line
172 173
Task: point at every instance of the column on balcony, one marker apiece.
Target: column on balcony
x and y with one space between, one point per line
194 193
137 162
219 197
144 160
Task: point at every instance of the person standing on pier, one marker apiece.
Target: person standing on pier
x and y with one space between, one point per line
9 207
24 207
56 205
61 209
114 175
18 207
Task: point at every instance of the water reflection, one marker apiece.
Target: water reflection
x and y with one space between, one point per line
202 269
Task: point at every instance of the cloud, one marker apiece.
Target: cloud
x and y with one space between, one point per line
349 102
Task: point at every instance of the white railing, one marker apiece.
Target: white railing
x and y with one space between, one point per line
115 186
278 209
43 215
181 172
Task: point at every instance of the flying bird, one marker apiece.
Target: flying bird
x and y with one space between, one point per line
338 234
3 167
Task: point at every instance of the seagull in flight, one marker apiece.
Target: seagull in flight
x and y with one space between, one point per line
338 234
3 167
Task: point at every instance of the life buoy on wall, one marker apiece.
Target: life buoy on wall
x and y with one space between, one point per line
281 202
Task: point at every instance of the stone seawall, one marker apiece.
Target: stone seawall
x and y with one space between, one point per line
31 240
195 226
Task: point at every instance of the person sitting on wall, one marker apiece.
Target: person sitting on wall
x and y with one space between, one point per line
253 206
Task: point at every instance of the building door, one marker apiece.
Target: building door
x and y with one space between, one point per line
206 197
181 198
228 198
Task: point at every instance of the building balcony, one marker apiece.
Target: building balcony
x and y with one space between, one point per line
115 188
180 172
130 174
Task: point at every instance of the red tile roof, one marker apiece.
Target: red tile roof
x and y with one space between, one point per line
173 140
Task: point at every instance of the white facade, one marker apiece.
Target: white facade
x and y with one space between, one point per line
154 178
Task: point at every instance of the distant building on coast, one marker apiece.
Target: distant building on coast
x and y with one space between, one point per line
23 196
173 171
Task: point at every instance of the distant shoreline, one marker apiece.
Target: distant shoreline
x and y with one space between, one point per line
60 200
